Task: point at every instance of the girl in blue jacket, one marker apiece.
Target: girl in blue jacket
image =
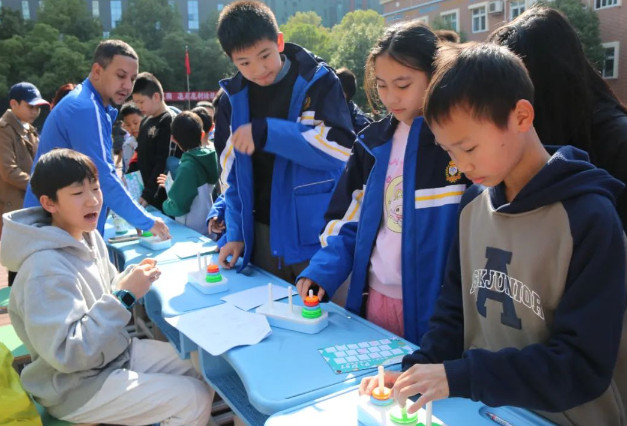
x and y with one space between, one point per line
392 215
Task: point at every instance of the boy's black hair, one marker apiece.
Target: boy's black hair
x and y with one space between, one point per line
484 79
59 168
411 44
147 84
348 82
187 130
204 104
107 49
448 36
206 119
129 108
243 24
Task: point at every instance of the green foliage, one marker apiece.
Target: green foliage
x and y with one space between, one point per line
352 40
12 23
70 17
148 21
306 30
586 23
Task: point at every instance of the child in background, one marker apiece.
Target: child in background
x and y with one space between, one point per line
190 197
349 86
283 132
70 307
153 142
207 124
131 118
533 304
392 234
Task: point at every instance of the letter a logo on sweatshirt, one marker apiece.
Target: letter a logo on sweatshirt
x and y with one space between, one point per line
496 287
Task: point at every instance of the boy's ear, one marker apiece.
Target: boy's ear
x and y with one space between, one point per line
47 203
281 42
524 115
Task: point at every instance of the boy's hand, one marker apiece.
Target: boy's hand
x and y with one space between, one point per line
149 261
161 180
369 383
303 285
233 249
160 229
139 280
242 139
216 226
429 380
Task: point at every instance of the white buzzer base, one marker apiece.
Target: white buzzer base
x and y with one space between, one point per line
155 243
279 315
197 279
370 414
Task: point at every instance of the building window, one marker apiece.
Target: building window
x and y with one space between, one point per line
423 19
116 12
171 3
451 19
516 7
25 10
610 63
479 18
602 4
95 9
106 34
220 6
192 15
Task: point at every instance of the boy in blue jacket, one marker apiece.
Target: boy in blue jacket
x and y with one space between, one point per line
532 310
283 133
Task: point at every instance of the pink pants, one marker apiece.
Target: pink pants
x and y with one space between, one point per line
385 312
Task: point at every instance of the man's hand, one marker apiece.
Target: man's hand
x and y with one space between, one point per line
160 229
429 380
303 285
233 249
242 139
216 226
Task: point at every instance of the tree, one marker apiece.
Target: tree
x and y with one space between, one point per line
586 23
70 17
148 21
12 23
351 42
306 30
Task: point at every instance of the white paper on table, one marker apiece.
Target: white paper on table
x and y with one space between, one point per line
184 249
256 296
213 328
168 182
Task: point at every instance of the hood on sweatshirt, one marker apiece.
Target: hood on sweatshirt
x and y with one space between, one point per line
201 157
567 174
30 230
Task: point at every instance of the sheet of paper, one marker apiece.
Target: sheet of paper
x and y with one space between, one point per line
206 327
168 182
134 184
256 296
185 249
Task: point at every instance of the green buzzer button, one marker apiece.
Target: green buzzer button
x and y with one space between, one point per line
399 416
312 313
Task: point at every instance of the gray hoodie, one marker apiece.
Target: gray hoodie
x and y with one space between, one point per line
62 308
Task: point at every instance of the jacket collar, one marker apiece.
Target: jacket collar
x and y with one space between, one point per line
9 119
108 109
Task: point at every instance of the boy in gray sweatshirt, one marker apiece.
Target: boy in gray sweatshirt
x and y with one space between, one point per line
70 308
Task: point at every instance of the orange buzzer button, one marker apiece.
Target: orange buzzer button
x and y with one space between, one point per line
213 268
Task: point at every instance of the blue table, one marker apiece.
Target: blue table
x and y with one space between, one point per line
341 408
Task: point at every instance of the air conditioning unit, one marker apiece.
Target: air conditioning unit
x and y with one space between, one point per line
495 6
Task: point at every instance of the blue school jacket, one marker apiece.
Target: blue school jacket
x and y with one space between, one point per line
432 188
311 148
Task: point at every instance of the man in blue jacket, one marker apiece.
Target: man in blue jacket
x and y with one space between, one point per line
83 122
284 133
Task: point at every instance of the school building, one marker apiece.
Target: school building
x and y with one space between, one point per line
476 19
194 12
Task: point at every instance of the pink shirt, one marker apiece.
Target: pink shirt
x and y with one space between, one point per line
385 263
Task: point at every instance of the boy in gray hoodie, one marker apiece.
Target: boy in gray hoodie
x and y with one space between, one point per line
70 308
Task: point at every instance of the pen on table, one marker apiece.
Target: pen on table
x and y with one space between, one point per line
497 419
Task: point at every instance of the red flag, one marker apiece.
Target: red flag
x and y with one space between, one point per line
188 69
